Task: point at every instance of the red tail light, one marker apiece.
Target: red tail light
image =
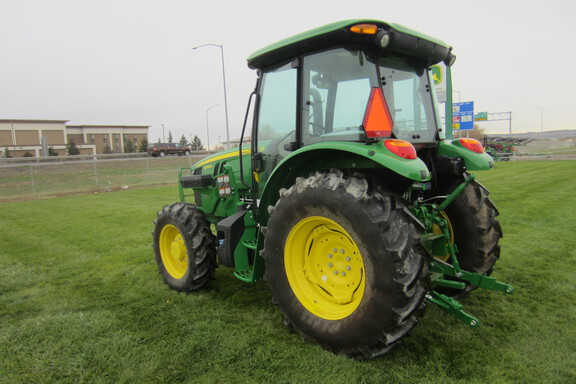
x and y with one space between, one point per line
401 148
472 144
377 120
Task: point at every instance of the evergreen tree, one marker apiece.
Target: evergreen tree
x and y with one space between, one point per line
52 152
183 142
158 142
143 145
71 148
169 136
196 144
7 153
129 146
106 150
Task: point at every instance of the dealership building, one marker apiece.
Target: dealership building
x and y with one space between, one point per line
26 136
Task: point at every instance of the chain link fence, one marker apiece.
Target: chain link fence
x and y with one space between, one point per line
42 177
27 178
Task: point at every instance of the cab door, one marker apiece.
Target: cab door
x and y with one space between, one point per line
276 120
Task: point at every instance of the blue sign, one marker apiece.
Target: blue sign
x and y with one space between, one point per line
463 115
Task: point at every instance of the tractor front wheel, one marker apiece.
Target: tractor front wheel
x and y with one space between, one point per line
344 264
184 247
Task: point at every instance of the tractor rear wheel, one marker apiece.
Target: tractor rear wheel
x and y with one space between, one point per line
184 247
344 264
473 218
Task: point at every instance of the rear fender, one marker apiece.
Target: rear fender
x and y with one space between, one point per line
341 155
474 161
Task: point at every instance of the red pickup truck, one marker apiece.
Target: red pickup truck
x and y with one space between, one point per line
163 149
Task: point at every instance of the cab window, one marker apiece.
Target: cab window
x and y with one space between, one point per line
276 116
407 93
336 89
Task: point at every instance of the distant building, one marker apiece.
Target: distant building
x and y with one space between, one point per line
111 136
25 136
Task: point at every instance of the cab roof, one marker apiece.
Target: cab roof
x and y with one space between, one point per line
403 40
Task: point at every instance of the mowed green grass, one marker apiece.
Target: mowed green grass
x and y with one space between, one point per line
81 301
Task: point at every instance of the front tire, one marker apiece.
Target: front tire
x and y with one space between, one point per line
184 247
344 264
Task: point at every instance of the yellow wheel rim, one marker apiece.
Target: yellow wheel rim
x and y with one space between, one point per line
324 268
438 231
173 251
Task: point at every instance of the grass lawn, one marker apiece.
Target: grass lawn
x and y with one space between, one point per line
81 301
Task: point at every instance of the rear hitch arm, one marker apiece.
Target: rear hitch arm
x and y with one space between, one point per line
477 279
453 307
455 193
436 240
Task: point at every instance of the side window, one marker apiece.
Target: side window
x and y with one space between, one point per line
276 117
277 112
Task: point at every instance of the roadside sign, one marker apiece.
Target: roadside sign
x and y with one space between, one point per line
481 116
463 116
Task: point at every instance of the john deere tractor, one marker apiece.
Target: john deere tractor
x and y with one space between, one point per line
352 201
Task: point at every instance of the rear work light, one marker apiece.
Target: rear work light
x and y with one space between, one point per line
401 148
472 144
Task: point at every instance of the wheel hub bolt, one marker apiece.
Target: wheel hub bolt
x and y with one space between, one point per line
347 258
348 268
343 273
342 251
335 272
329 255
330 265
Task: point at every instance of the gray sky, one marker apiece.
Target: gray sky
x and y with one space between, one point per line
130 61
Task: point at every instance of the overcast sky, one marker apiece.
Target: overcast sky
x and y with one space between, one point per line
130 62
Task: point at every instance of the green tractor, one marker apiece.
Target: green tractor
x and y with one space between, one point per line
352 201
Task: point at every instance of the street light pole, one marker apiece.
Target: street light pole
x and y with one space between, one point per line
541 118
224 81
207 130
458 92
163 136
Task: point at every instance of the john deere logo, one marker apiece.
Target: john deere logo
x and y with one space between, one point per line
437 74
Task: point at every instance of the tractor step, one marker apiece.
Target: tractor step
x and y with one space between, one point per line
244 275
250 244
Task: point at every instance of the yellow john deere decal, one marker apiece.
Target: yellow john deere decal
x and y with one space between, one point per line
222 157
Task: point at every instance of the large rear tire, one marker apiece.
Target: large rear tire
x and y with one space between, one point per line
344 264
473 218
184 247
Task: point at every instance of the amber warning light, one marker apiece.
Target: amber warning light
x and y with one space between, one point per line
364 29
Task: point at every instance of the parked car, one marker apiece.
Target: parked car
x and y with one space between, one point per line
163 149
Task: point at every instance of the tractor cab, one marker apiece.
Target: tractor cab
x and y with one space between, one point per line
353 81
